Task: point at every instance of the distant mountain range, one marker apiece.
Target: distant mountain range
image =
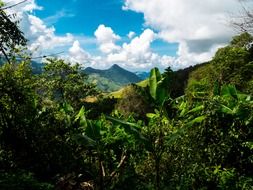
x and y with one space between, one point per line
111 79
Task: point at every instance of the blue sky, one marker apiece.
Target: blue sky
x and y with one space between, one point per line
82 17
136 34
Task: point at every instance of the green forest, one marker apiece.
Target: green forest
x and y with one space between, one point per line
185 129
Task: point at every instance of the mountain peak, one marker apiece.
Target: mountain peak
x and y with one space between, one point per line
116 73
115 66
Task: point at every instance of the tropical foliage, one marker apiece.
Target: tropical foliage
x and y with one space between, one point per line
155 138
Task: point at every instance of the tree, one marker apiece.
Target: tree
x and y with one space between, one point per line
17 99
230 65
10 34
61 82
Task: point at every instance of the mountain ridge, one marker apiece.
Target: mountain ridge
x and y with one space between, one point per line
115 73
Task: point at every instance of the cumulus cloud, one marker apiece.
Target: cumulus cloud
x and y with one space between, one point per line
78 54
138 50
106 39
137 54
41 38
198 26
131 34
44 38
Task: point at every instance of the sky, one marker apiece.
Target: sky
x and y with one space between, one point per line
136 34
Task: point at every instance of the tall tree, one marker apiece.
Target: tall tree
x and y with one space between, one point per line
62 82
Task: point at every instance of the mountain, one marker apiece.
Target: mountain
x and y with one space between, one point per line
116 76
103 84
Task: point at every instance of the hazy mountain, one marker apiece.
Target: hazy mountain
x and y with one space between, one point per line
115 74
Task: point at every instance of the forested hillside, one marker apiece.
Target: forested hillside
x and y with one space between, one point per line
111 79
186 129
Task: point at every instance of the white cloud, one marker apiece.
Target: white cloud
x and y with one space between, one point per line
131 34
106 39
58 15
44 38
19 9
198 26
137 54
78 54
41 38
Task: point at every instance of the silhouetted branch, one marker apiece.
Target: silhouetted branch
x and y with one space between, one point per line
5 55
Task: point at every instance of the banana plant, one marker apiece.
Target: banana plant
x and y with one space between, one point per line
236 103
107 137
158 87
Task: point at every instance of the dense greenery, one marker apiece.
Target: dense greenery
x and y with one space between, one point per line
154 137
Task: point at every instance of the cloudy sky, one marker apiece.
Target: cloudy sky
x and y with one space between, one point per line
136 34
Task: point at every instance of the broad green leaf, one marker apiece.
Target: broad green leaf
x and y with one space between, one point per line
229 90
226 110
154 77
161 92
81 117
132 128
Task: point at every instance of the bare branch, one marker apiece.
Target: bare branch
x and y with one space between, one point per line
244 21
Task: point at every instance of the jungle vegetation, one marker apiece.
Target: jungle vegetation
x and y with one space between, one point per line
190 129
